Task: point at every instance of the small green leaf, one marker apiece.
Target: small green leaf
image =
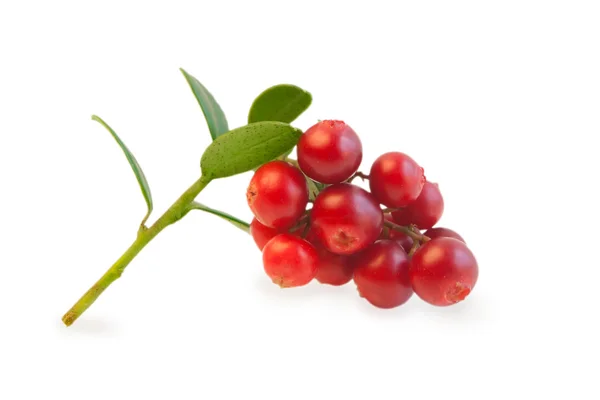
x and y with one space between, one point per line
215 118
248 147
137 170
282 103
228 217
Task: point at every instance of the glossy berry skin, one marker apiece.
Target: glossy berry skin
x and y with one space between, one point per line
290 261
346 218
402 239
381 274
425 211
396 179
443 271
261 233
277 194
329 152
435 233
333 269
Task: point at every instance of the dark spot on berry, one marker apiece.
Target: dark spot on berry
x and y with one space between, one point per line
251 194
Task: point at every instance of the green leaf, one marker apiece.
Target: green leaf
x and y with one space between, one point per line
282 103
137 170
194 205
245 148
215 118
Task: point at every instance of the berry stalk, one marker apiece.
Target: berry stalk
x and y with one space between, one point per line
358 174
177 211
407 231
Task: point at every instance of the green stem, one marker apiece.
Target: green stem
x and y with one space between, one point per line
172 215
238 223
143 226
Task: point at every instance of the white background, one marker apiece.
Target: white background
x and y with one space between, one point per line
498 100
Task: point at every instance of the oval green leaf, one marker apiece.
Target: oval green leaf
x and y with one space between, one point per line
245 148
137 170
283 103
215 118
238 223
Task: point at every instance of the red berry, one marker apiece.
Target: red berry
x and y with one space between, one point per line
443 271
381 274
346 218
402 239
277 194
434 233
406 242
396 179
261 233
333 269
312 238
425 211
290 261
329 152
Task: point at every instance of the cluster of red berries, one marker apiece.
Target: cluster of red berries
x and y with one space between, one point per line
346 235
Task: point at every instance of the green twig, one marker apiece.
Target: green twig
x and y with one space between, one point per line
172 215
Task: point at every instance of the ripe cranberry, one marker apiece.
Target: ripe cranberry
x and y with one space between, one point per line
329 152
443 271
396 179
346 218
402 239
406 242
277 194
381 274
434 233
290 261
425 211
333 269
261 233
312 238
